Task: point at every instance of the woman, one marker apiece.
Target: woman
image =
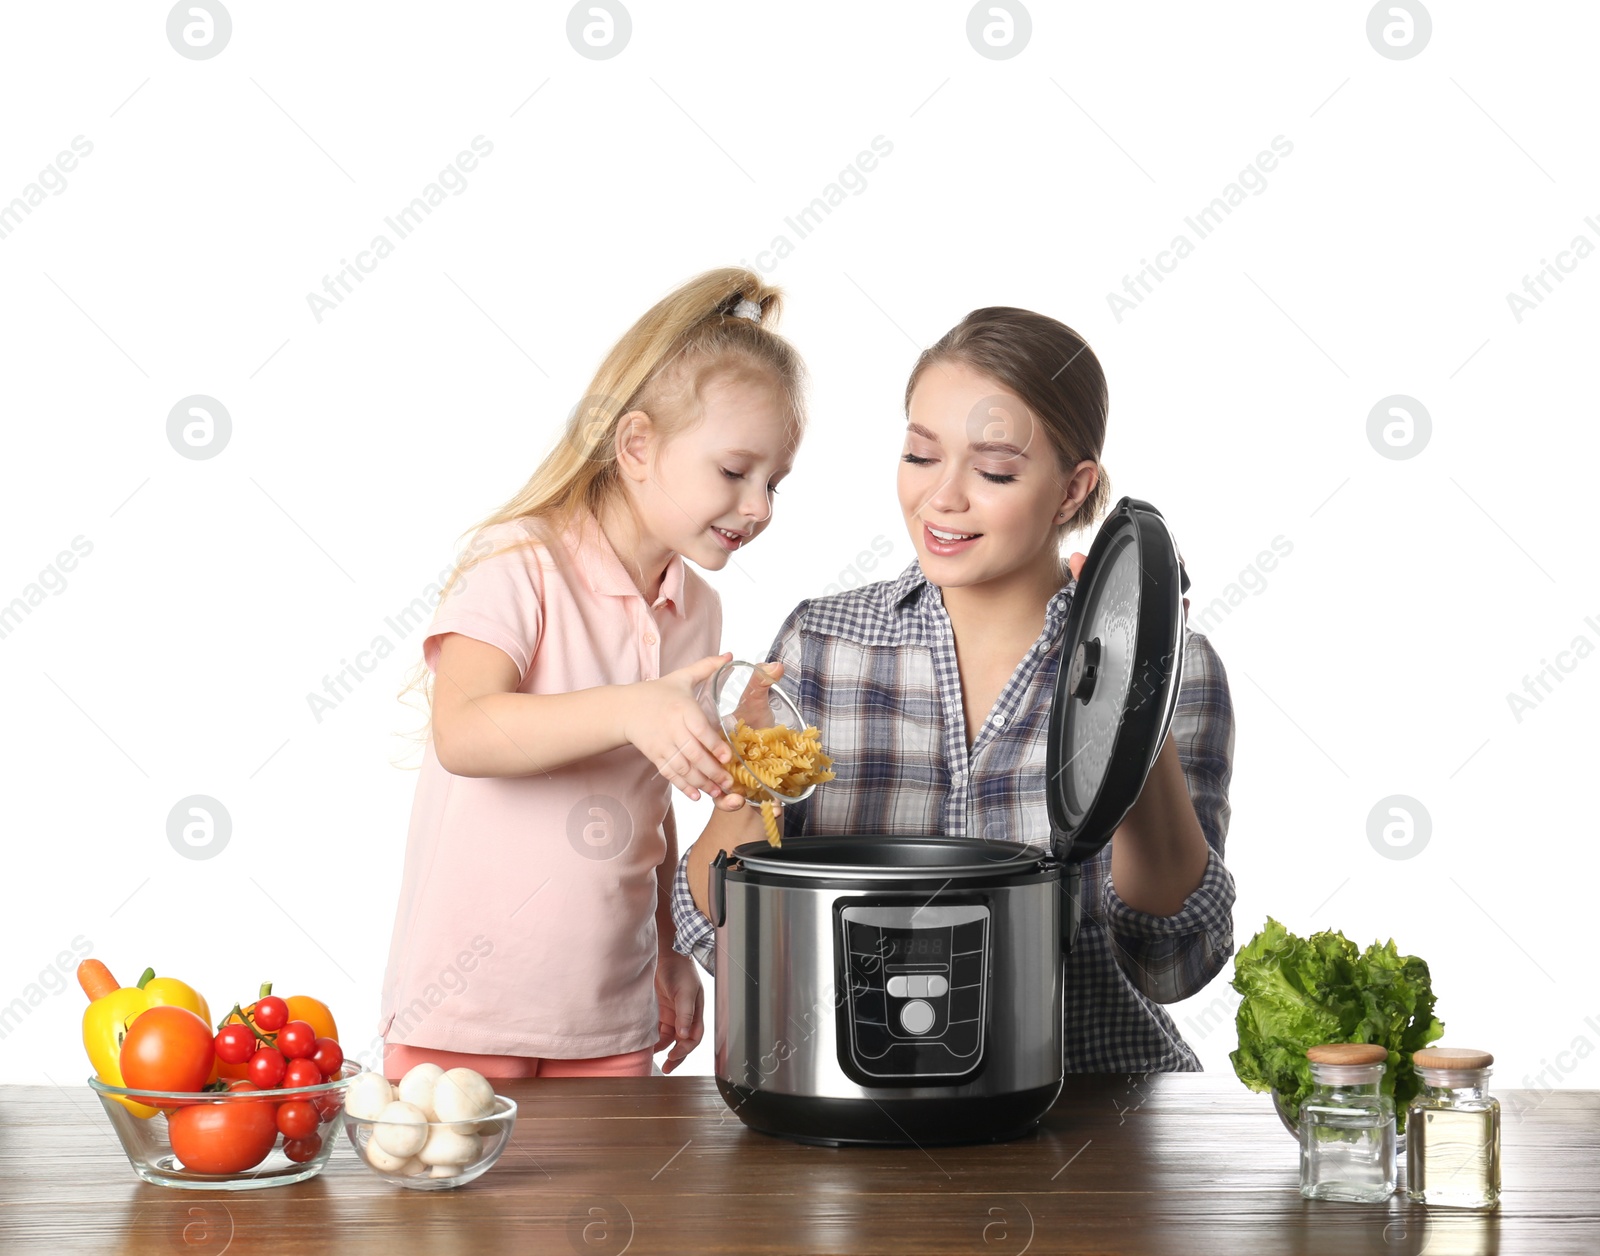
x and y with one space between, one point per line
932 691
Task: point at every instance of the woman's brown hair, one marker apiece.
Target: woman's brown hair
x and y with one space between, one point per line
1051 369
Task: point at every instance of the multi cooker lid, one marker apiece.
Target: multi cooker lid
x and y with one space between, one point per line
882 858
1121 664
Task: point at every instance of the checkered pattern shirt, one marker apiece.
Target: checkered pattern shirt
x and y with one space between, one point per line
875 670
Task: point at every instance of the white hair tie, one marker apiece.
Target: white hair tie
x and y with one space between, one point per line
747 309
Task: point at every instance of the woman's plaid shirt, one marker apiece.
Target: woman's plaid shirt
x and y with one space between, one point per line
875 670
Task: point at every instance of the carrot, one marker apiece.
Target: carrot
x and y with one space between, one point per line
96 979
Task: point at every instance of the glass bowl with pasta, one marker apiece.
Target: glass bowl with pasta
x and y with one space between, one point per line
777 757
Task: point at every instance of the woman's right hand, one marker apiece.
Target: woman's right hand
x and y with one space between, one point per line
755 706
669 727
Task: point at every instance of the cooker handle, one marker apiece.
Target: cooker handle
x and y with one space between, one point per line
717 889
1071 905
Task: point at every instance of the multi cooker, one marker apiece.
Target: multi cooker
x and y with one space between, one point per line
910 989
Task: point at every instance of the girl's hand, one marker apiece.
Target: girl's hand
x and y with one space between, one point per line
666 723
681 998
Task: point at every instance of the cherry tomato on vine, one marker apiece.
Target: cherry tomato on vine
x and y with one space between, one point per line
267 1068
235 1044
300 1073
302 1149
297 1119
297 1040
328 1056
271 1014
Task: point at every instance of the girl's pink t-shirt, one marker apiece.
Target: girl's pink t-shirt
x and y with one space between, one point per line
526 923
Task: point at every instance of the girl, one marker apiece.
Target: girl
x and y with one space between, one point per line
932 691
532 935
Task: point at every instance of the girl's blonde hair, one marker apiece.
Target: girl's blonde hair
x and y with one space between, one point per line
661 365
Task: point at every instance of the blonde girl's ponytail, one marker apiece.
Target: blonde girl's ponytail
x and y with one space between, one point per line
721 320
657 364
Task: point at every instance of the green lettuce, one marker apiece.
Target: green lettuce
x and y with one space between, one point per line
1299 992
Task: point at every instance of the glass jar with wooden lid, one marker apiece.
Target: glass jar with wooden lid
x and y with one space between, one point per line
1453 1153
1347 1125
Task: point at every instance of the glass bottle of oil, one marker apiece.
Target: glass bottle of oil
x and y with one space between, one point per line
1453 1131
1347 1129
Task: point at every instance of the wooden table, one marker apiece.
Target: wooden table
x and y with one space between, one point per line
1170 1163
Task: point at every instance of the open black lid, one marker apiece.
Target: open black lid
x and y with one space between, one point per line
1120 666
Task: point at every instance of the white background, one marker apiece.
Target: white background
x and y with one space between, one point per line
1374 660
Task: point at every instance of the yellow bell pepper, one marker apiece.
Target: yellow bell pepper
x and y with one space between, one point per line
112 1009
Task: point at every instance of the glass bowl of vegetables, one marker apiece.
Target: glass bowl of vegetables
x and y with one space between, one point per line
241 1138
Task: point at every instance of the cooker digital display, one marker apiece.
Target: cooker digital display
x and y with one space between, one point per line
919 946
917 977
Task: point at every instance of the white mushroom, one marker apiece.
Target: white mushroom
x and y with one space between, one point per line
412 1167
445 1171
462 1095
381 1160
368 1095
416 1087
446 1146
401 1129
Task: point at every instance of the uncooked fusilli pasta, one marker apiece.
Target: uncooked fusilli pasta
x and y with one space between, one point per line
780 760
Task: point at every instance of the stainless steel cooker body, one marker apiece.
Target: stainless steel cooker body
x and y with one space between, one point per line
889 990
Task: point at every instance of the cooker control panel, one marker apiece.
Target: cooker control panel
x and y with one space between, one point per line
917 984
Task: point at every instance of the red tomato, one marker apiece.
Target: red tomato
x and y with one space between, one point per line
302 1149
329 1104
226 1137
328 1056
297 1040
167 1048
235 1043
271 1014
300 1073
242 1070
266 1068
297 1119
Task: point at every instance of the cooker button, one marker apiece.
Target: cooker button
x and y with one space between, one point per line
897 987
962 1039
872 1042
967 970
968 937
937 987
966 1003
869 1007
916 1017
917 986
